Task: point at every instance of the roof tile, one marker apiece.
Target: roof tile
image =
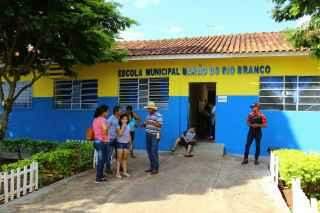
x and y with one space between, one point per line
221 44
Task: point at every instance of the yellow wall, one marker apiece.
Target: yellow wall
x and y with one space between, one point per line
246 84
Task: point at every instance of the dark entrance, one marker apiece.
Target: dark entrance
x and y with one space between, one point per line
202 98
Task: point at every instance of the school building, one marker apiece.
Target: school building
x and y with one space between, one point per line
182 76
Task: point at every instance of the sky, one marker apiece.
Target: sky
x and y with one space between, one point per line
160 19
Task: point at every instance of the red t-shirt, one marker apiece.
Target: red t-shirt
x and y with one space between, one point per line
257 118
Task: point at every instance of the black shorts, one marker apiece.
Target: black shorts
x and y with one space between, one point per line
122 145
183 142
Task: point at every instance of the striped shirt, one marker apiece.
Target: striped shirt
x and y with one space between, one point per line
151 121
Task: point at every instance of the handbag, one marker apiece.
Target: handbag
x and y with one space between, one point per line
90 134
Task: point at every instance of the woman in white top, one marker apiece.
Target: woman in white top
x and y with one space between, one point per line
123 143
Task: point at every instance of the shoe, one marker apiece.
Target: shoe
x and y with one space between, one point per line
245 161
133 156
173 150
256 162
188 155
148 170
126 174
154 172
100 180
118 176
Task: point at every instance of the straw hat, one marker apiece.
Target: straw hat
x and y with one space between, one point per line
151 105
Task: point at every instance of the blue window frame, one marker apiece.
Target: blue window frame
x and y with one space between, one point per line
75 94
137 92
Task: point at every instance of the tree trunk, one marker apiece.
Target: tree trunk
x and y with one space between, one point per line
4 119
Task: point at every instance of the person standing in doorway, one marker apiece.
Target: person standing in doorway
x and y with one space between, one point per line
256 121
153 124
134 121
113 123
101 140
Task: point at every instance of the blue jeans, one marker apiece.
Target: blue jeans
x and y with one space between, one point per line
111 147
108 156
101 149
152 144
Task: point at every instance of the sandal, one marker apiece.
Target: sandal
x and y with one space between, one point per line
126 174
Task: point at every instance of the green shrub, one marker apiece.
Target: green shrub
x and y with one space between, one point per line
297 164
27 146
66 160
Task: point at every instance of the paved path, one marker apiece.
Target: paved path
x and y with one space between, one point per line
200 184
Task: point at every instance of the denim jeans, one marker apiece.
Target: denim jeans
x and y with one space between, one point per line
152 145
108 156
253 135
101 150
111 148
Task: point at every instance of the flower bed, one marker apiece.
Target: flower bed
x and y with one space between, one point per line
297 164
61 161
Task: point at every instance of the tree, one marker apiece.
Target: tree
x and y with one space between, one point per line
34 34
307 35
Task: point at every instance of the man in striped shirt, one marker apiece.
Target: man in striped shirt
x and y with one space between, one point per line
153 124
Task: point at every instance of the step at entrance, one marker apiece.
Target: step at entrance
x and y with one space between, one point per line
204 148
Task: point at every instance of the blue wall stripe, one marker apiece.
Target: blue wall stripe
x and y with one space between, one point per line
285 129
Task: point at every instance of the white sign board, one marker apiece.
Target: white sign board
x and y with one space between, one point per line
222 99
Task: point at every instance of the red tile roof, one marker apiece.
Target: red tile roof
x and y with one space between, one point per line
264 42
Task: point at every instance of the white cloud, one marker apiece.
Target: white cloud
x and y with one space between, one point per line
140 3
303 21
175 29
130 35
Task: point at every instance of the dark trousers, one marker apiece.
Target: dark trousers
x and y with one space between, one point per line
152 145
253 135
111 148
101 150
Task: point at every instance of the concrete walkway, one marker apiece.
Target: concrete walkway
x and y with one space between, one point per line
188 185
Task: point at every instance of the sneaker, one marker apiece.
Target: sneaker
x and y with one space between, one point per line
118 176
256 162
245 161
126 174
154 172
148 170
188 155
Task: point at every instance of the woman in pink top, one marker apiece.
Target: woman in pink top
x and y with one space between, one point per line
100 129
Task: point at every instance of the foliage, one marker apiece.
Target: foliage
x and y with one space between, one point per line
297 164
66 160
27 146
307 35
34 34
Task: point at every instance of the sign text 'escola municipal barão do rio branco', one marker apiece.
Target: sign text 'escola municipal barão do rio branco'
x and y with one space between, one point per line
197 71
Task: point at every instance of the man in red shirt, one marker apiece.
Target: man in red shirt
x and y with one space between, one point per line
256 121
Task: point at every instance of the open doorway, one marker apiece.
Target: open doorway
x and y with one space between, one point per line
202 102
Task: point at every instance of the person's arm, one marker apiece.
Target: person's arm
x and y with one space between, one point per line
264 122
121 130
137 117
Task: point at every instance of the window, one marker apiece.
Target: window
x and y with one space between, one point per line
290 93
75 94
25 98
137 92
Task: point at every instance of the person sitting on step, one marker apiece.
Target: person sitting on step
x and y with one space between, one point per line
187 139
